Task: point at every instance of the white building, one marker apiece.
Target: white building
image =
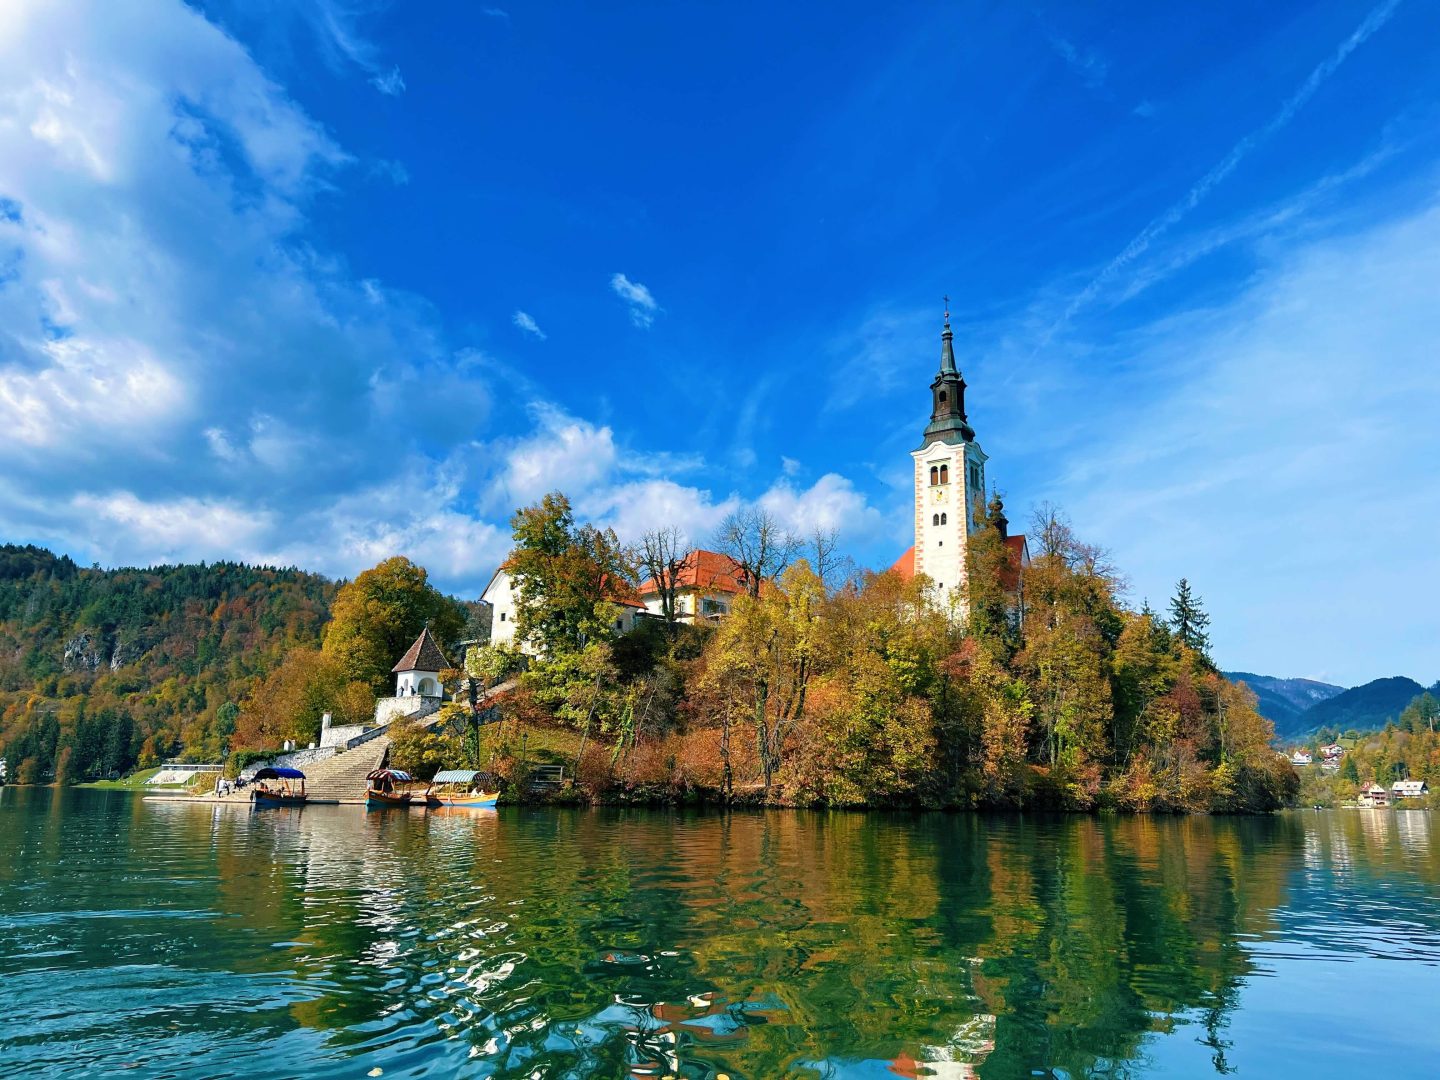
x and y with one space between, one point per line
418 691
706 585
500 594
949 502
1409 789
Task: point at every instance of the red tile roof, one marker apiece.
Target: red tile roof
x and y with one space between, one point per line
1019 558
905 565
703 571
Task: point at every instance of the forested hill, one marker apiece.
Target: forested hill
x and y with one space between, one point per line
1364 708
101 670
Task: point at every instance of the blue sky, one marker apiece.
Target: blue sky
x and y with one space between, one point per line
317 282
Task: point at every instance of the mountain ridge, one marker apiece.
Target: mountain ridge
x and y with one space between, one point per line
1300 707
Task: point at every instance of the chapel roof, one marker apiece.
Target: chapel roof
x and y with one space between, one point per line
424 655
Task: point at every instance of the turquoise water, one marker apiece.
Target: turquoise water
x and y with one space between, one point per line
191 941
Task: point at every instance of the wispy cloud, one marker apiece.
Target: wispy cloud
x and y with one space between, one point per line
643 307
391 83
1283 446
390 169
529 325
1087 63
1372 22
495 13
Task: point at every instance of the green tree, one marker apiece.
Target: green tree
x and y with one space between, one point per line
567 578
377 616
1189 620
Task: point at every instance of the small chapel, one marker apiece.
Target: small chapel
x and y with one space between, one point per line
418 690
950 488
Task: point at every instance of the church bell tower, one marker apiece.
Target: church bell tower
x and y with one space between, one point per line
949 481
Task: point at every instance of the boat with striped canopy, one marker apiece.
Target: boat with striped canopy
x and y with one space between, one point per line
392 787
463 788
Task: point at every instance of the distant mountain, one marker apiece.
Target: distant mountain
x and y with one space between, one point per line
1364 708
1284 701
1298 707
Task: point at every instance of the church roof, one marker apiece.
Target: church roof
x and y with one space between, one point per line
905 565
704 571
1019 559
424 655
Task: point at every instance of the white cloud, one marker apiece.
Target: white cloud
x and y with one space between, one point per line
643 307
563 454
173 529
390 83
528 324
830 503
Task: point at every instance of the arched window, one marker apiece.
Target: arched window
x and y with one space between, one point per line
935 519
944 474
944 519
942 397
934 476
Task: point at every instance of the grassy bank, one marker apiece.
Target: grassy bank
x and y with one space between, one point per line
134 782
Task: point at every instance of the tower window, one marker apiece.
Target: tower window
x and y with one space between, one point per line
935 519
942 397
934 476
944 474
944 519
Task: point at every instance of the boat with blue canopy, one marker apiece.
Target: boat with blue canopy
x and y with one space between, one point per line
463 788
278 786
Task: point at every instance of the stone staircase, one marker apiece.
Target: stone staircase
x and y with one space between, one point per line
342 778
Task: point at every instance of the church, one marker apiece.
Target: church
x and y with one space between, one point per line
950 488
949 504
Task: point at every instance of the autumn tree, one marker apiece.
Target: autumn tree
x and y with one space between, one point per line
377 616
765 655
290 702
759 546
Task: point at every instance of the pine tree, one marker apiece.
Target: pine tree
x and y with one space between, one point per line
1188 619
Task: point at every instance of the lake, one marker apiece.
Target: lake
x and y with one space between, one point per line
197 940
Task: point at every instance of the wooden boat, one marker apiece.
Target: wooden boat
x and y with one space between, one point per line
278 787
390 787
462 788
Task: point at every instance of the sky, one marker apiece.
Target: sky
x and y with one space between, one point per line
315 282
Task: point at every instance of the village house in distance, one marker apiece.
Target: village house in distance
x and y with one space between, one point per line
949 504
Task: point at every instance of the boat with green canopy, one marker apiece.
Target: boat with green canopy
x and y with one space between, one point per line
463 788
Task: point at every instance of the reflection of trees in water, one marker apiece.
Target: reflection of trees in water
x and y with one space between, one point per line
846 945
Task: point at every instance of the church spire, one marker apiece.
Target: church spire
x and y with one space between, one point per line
947 392
947 348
